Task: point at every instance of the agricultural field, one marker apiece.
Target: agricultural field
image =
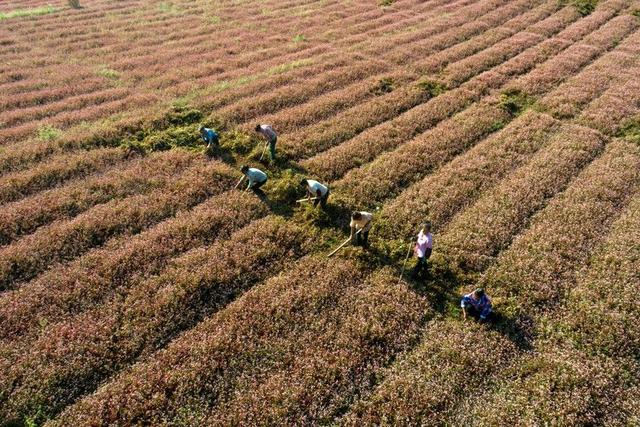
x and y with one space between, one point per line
139 287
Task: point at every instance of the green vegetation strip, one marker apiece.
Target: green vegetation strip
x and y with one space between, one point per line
19 13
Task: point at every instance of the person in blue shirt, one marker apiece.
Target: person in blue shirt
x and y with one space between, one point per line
476 304
209 136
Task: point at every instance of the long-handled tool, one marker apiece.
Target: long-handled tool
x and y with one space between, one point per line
404 264
263 151
238 183
343 243
306 200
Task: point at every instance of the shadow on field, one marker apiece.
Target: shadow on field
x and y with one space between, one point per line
440 286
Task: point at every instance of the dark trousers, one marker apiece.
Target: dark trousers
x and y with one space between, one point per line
421 264
256 186
322 200
272 148
471 311
362 239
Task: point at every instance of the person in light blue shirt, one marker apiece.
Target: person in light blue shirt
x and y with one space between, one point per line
209 136
255 176
477 304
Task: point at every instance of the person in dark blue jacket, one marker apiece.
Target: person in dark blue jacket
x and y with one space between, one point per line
209 136
477 304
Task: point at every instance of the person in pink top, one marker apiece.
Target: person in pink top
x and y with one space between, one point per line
423 248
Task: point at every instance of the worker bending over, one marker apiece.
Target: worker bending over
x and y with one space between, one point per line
360 225
319 192
423 248
271 136
209 136
256 178
477 304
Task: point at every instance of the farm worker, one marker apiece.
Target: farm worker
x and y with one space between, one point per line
271 136
256 178
209 136
477 304
423 248
360 221
317 190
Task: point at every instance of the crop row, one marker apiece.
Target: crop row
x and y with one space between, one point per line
290 120
65 240
458 184
130 178
617 104
390 173
35 154
388 135
68 118
598 317
451 360
578 54
301 91
70 289
69 103
418 389
21 184
88 348
44 96
557 386
566 100
350 123
595 320
483 230
385 136
297 346
496 31
540 263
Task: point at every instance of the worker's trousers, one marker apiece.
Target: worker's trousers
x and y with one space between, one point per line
322 200
361 239
272 148
421 264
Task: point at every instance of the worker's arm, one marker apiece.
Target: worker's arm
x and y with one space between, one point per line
464 313
308 195
318 194
353 231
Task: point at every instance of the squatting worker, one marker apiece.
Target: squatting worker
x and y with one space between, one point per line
423 248
209 136
360 221
256 178
317 190
271 136
477 304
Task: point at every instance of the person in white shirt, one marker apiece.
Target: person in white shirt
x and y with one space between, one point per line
314 189
256 178
362 222
423 248
271 136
